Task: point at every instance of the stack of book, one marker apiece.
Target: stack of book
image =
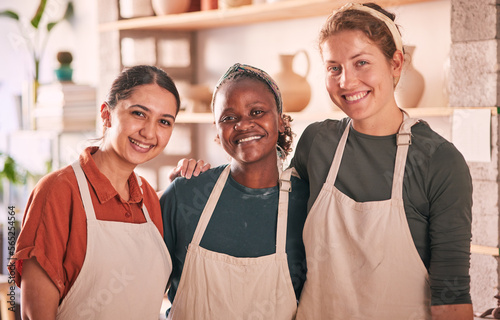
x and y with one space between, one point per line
65 106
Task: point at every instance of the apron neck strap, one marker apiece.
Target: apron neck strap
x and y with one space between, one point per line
144 209
84 190
285 186
403 141
334 168
85 193
210 206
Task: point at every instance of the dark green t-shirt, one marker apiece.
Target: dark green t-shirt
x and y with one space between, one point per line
243 223
437 193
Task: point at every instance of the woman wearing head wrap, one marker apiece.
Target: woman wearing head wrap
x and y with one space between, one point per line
235 231
389 224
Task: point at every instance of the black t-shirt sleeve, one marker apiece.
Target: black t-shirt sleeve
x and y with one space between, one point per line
450 198
297 214
168 205
300 158
168 208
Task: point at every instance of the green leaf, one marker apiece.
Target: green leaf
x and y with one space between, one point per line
9 170
70 11
38 15
68 14
9 14
51 25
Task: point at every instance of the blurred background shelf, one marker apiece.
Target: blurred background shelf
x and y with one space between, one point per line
192 117
281 10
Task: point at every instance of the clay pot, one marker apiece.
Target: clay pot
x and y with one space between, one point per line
295 90
225 4
411 85
163 7
209 4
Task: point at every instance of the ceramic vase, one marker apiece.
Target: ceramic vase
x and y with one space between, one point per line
163 7
225 4
411 85
295 90
209 5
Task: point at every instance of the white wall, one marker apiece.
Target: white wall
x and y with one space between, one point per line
425 25
16 66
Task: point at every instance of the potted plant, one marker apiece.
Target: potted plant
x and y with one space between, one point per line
37 33
11 171
64 72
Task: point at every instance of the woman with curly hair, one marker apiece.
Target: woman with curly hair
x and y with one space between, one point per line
235 232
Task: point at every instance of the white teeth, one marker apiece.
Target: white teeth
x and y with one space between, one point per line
145 146
356 96
248 139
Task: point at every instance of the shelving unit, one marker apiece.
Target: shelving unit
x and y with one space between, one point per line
113 29
207 118
244 15
258 13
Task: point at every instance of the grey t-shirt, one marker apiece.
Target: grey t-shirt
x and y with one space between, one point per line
437 193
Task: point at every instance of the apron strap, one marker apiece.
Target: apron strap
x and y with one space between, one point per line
285 186
403 141
144 209
210 206
334 168
84 190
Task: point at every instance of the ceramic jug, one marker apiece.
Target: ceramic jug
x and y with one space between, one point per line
225 4
411 85
162 7
295 90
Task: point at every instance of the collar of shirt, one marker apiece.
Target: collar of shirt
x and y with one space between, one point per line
101 184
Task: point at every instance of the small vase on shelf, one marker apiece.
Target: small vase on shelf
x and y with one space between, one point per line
64 72
209 5
163 7
295 90
411 85
226 4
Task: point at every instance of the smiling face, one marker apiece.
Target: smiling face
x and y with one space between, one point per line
139 127
247 121
359 78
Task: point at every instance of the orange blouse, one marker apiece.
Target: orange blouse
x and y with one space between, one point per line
54 226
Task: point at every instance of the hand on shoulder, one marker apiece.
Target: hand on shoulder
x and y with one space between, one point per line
188 168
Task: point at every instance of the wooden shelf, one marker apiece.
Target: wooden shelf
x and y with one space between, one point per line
208 118
490 251
281 10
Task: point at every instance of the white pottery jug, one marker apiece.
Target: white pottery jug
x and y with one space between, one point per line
295 90
411 85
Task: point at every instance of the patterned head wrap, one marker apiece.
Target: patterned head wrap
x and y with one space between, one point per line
238 69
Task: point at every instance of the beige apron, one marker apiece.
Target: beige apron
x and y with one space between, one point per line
361 259
218 286
125 271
